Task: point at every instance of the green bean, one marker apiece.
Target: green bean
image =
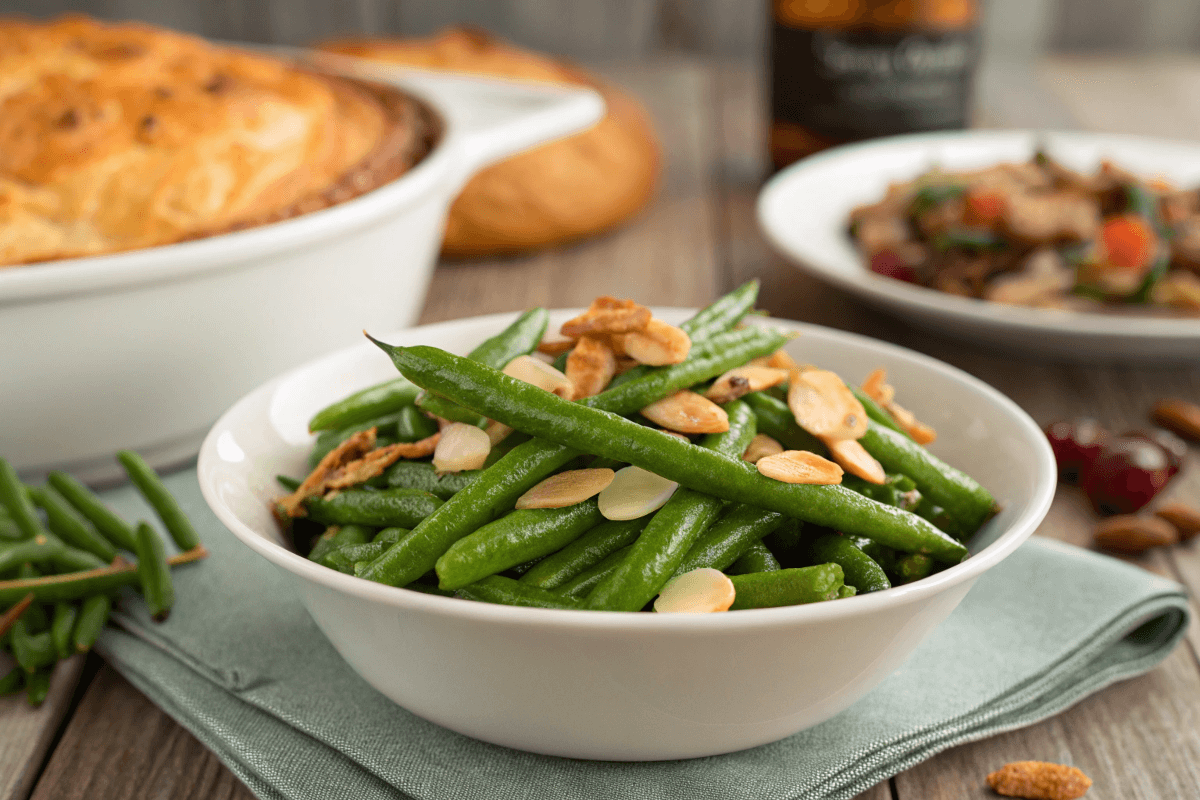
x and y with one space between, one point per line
338 536
582 584
506 591
588 550
959 494
53 588
392 535
787 541
859 569
584 429
112 527
846 590
776 420
523 535
375 401
421 475
446 409
344 559
8 527
63 626
154 573
413 426
93 614
885 557
913 567
40 550
526 464
70 526
31 650
164 504
16 501
287 482
386 508
12 682
37 687
729 538
758 558
877 412
787 587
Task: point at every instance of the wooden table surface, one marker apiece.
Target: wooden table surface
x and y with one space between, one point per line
98 738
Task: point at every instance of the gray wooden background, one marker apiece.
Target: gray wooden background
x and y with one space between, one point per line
604 29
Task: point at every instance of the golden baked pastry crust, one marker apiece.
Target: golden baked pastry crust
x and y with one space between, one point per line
555 193
115 137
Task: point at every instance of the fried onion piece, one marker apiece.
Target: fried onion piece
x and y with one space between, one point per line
608 315
353 449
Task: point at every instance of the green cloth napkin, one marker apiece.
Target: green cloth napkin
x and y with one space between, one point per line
241 666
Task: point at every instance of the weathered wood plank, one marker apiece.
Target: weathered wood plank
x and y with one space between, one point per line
26 733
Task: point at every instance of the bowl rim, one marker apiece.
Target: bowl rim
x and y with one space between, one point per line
580 619
894 293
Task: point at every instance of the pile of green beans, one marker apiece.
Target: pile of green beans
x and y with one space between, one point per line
782 544
61 569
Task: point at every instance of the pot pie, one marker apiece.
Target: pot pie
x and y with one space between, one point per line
115 137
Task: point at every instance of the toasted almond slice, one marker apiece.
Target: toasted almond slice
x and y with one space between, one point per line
781 359
701 591
608 315
761 361
542 375
687 412
761 446
878 389
590 366
567 488
624 365
462 447
919 431
743 380
824 406
658 344
634 493
497 432
555 347
855 459
676 434
799 466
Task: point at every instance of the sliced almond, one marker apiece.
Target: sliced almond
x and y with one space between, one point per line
878 389
919 431
780 359
687 412
625 364
462 447
658 344
855 459
760 447
555 347
608 315
701 591
743 380
497 432
590 366
542 375
824 406
634 493
800 466
567 488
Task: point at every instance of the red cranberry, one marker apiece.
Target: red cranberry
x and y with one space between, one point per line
1076 443
1175 448
890 265
1126 475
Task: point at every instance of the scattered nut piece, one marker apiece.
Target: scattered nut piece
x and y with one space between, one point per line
878 389
1185 518
1178 416
462 447
542 375
658 344
608 315
742 381
824 406
497 432
855 459
760 447
567 488
634 493
800 466
687 412
590 366
1127 533
701 591
354 448
1039 780
555 347
624 363
780 359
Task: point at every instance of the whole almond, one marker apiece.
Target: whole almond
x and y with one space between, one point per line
799 466
687 412
1185 518
1127 533
1178 416
1039 780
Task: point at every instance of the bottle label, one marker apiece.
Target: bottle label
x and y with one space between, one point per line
854 84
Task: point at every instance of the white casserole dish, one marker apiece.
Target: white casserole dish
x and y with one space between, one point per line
144 349
618 686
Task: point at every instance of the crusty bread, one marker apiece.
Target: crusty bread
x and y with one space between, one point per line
555 193
115 137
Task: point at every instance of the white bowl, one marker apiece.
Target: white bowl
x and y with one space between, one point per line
804 211
620 686
145 349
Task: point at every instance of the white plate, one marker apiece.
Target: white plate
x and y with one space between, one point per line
590 684
804 212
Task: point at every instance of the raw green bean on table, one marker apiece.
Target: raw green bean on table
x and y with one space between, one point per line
162 501
757 558
93 614
385 508
858 569
421 475
15 500
370 403
786 587
337 536
154 573
34 616
62 627
12 681
585 552
585 429
582 584
776 420
112 527
70 526
730 537
506 591
53 588
37 686
31 650
878 412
